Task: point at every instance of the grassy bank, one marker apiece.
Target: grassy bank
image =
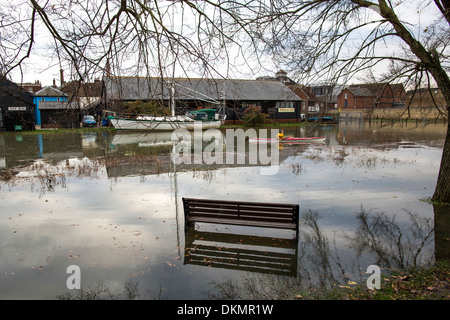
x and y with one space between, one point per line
431 283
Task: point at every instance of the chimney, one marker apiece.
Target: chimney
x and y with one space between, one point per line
282 76
108 68
54 82
61 71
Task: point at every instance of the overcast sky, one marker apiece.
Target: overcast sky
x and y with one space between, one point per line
44 66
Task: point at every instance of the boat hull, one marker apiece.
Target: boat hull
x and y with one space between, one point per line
289 140
157 125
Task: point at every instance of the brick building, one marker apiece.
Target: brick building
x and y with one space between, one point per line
309 101
31 87
378 95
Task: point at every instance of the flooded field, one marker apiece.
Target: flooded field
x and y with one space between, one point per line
110 203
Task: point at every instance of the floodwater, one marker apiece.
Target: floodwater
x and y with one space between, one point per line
111 204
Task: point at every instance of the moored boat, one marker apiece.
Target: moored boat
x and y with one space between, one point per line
202 119
327 120
289 140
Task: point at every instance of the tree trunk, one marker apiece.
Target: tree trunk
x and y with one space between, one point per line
442 191
431 61
441 233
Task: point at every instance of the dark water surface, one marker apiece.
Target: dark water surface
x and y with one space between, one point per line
110 203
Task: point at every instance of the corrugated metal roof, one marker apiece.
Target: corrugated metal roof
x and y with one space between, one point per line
63 105
137 88
57 105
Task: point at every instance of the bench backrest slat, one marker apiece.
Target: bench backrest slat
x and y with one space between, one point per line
194 201
245 218
241 212
240 207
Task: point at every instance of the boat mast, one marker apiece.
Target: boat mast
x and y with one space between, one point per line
172 97
224 101
174 64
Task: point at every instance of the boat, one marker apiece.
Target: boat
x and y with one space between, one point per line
162 124
289 140
202 119
321 119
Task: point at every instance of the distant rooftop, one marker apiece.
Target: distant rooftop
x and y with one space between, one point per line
50 92
136 88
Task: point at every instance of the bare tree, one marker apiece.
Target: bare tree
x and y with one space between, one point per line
137 37
321 39
318 39
120 37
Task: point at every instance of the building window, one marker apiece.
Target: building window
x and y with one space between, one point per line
284 104
251 104
345 96
345 103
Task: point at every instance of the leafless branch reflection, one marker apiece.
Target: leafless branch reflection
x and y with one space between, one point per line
379 239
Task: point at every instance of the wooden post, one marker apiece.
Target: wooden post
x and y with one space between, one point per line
296 218
187 224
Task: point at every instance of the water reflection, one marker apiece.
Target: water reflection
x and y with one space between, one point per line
442 232
379 235
323 259
241 252
101 292
109 202
276 268
55 147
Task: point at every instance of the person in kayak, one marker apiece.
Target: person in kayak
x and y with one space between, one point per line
281 135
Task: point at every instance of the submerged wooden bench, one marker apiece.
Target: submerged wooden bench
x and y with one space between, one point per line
241 252
252 214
